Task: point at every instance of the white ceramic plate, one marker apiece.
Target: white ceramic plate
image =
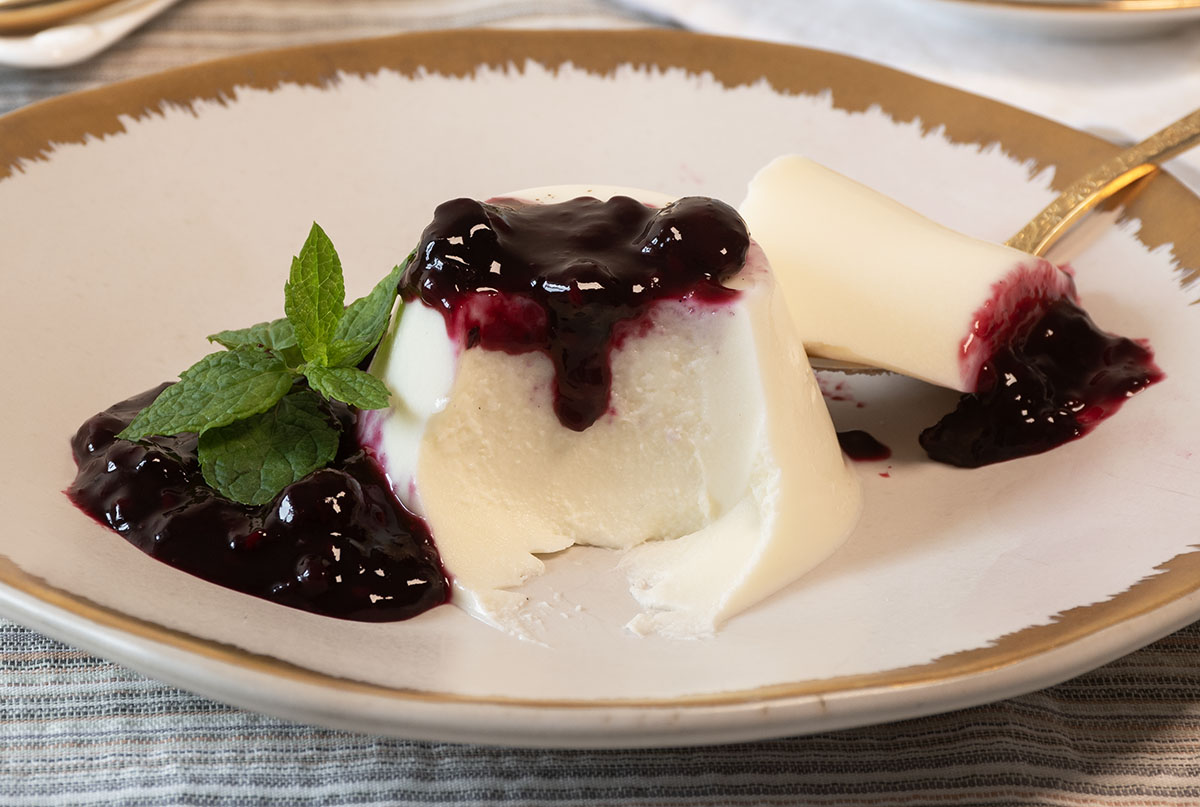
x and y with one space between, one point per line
58 35
1076 19
139 217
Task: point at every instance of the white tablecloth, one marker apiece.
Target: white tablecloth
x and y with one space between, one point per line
1121 80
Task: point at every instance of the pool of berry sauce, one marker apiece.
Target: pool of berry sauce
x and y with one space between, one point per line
567 279
862 446
1052 382
336 543
1025 292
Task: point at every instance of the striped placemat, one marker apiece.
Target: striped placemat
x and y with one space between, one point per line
78 730
198 30
81 731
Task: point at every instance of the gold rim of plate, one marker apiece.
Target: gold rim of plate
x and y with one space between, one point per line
32 18
1086 6
1164 209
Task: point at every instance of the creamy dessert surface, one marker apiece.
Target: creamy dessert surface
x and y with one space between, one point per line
869 280
716 464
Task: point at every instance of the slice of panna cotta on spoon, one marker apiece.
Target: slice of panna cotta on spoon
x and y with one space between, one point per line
872 282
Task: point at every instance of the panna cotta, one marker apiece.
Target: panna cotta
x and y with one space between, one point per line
614 368
870 281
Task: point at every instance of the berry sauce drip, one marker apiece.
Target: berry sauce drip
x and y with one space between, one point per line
559 278
335 543
862 446
1053 382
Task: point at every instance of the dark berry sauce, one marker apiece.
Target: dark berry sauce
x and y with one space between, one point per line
1055 379
862 446
1017 300
335 543
559 278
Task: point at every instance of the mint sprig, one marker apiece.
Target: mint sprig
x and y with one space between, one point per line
257 406
363 324
314 297
252 460
215 391
348 384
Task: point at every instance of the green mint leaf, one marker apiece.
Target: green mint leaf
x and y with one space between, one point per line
292 358
251 460
314 295
215 391
277 335
346 353
364 322
349 385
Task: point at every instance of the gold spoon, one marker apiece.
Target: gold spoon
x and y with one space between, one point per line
1104 181
1090 190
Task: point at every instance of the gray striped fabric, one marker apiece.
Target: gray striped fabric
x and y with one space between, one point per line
196 30
77 730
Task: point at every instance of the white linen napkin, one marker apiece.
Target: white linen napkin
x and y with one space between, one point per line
1110 75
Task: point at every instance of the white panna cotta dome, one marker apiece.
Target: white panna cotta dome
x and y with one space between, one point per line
714 465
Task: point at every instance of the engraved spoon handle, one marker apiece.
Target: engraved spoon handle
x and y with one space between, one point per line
1106 179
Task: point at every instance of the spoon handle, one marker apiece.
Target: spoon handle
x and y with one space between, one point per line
1108 178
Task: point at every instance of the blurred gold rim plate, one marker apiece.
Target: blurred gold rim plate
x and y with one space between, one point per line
1080 20
1116 6
1073 641
31 17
